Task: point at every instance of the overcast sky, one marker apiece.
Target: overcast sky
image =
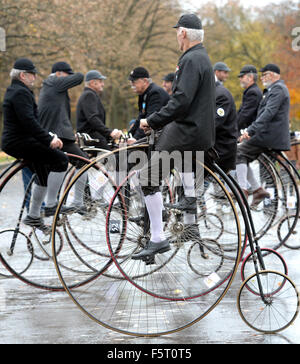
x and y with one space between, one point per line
191 4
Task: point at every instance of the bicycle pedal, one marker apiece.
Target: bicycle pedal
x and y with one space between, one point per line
150 260
46 229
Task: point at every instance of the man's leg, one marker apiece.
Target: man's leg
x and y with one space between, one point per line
44 159
150 177
246 153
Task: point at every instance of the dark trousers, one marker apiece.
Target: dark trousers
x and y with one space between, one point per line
73 148
247 152
41 159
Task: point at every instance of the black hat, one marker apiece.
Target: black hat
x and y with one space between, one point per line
169 77
25 64
221 66
247 69
271 67
139 72
62 67
190 21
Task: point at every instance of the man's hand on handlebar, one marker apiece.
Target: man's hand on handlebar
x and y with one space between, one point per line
56 143
144 125
116 134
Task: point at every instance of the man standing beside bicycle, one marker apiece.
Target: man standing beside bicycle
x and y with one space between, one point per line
189 126
270 130
55 116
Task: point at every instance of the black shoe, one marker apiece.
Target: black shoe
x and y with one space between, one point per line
187 204
138 219
33 221
151 249
81 210
50 211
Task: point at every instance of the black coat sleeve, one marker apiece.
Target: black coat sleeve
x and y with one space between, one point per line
91 112
63 84
248 111
275 100
23 106
180 100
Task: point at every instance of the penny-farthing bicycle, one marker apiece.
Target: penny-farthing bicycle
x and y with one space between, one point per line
168 292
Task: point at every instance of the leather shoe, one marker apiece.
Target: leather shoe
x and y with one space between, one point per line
50 211
33 222
259 195
187 204
151 249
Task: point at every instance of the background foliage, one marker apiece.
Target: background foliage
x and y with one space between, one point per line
115 36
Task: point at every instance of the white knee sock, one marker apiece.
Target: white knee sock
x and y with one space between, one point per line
38 194
188 181
55 180
241 174
251 179
79 189
154 204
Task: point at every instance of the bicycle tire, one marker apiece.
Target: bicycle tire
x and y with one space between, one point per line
281 304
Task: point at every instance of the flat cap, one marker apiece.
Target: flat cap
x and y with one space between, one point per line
62 67
247 69
139 72
169 77
271 67
94 75
189 21
221 66
25 64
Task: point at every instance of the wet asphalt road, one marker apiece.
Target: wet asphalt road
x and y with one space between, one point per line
30 315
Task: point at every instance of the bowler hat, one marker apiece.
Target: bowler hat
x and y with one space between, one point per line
25 64
62 67
189 21
139 72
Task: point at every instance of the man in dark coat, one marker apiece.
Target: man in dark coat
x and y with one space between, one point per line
90 112
188 122
24 138
55 116
270 130
251 97
151 98
226 128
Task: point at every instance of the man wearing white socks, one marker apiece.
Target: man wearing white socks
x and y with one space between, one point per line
270 130
55 116
188 122
24 138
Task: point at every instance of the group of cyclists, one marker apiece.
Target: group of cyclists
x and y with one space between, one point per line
197 114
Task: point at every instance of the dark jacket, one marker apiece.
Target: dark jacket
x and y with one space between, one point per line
248 110
153 99
271 127
226 125
54 105
189 116
90 116
21 118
